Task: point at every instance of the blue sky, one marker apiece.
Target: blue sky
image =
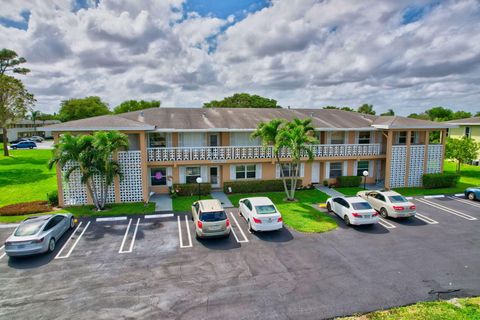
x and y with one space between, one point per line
407 55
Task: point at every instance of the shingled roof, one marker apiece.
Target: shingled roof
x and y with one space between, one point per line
238 119
466 121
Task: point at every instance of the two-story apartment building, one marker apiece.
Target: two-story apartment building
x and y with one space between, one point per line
177 145
469 127
25 128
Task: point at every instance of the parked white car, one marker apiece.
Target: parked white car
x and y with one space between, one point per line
261 214
353 210
389 203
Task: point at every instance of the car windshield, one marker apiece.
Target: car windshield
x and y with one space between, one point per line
397 199
28 228
361 206
213 216
266 209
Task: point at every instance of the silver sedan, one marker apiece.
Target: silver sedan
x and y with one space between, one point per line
38 234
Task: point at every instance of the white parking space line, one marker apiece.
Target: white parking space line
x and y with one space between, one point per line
470 202
434 196
161 215
447 209
125 237
386 224
4 253
74 244
180 236
111 219
425 219
459 195
241 231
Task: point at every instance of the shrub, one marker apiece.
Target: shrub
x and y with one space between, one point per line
325 182
52 198
191 189
25 208
247 186
349 181
440 180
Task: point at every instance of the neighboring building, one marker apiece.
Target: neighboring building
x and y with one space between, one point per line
469 127
177 145
25 128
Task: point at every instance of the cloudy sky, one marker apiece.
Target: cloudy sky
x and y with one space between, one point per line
406 55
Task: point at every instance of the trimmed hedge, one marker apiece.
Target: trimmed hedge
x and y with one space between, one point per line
440 180
25 208
191 189
349 181
247 186
52 198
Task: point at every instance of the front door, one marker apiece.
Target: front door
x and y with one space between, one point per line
215 177
213 140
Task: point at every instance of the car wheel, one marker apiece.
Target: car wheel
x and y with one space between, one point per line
250 227
72 223
347 220
329 207
471 196
384 213
51 245
30 148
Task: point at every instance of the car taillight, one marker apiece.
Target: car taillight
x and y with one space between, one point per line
38 241
413 207
356 215
398 208
199 224
375 214
257 220
280 219
228 222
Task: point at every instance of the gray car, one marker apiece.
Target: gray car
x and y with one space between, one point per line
38 234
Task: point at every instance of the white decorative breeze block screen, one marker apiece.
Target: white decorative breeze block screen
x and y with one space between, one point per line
398 166
434 158
417 154
131 182
74 192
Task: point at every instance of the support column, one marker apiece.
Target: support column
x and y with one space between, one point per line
443 141
116 181
407 158
388 159
144 159
425 154
61 201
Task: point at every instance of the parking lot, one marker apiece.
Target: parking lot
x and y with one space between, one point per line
153 267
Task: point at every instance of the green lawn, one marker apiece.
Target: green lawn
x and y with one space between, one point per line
24 176
300 215
469 176
184 203
349 191
120 209
459 309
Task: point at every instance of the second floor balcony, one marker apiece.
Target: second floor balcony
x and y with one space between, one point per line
257 152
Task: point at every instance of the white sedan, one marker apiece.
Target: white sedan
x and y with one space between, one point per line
261 214
353 210
389 203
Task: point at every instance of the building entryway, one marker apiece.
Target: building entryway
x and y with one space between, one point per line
163 202
214 176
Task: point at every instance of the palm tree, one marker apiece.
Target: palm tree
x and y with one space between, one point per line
92 156
33 116
297 136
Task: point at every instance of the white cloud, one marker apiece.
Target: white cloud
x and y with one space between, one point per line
304 53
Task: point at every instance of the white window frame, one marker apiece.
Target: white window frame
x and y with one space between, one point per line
165 176
468 132
245 169
330 170
191 175
360 173
337 132
369 140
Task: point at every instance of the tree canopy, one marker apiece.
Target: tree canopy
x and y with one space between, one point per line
10 61
462 150
339 108
134 105
390 112
366 109
243 100
74 109
441 114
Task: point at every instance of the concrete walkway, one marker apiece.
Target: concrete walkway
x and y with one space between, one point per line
328 191
220 195
163 202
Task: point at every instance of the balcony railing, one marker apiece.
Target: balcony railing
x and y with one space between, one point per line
256 152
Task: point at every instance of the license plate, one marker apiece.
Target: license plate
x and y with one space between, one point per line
367 216
215 227
270 220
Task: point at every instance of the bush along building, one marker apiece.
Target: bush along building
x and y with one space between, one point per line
174 146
